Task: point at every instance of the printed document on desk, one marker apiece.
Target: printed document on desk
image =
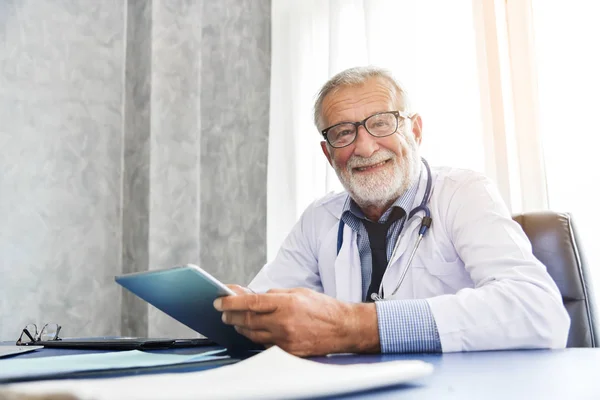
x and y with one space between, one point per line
11 350
272 374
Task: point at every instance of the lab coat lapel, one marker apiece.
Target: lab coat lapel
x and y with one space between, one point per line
348 277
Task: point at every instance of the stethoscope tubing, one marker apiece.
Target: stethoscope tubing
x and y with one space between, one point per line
425 225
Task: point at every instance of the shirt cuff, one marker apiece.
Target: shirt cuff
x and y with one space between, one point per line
407 326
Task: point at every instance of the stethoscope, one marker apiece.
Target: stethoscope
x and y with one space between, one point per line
425 224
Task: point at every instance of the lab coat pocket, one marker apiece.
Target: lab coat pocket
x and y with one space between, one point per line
435 277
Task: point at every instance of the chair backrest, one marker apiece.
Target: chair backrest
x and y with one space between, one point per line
554 242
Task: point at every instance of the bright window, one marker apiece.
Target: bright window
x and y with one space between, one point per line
567 39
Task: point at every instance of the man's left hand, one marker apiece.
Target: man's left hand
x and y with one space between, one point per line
301 321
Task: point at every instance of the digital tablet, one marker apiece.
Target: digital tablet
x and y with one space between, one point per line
186 294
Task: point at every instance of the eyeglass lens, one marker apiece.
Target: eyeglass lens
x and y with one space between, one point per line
378 125
49 332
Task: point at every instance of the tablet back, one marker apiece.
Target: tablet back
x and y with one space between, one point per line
187 294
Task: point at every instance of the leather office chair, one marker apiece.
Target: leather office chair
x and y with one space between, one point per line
555 244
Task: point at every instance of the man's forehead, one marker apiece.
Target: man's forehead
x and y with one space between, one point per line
350 103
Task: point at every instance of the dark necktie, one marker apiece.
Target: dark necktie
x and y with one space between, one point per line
378 243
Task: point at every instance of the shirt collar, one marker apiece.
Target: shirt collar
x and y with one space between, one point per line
405 201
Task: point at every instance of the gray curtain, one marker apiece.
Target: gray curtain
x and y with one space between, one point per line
133 136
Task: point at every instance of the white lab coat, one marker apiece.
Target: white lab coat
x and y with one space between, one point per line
474 267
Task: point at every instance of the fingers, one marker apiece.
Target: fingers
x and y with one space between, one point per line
257 336
243 319
261 303
247 320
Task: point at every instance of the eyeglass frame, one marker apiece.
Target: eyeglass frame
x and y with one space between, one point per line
396 113
36 338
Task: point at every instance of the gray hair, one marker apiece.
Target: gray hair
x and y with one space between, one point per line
355 77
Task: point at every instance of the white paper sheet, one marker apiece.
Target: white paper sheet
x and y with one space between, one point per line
6 351
272 374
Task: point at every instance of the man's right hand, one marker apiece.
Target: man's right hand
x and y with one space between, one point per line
301 321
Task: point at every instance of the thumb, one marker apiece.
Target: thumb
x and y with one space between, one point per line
239 289
281 290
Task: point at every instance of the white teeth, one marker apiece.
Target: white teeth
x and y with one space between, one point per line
371 166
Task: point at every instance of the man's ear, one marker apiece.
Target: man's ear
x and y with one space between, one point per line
326 151
417 127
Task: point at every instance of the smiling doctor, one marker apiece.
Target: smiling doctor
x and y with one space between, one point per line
408 259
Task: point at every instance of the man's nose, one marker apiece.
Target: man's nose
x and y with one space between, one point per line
365 144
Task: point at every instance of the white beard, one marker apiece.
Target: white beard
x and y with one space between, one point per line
380 188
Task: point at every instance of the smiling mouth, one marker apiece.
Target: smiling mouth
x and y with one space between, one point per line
370 167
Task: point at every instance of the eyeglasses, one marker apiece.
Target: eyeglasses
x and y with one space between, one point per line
30 335
379 125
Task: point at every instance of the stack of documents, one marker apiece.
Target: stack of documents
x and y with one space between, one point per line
272 374
19 368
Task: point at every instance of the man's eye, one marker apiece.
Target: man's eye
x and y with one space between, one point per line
342 134
346 132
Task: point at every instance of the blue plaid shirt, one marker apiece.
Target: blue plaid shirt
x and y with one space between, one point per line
405 326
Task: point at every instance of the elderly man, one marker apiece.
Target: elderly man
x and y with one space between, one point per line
408 259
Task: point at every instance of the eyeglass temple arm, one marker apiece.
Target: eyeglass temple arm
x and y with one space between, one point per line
26 332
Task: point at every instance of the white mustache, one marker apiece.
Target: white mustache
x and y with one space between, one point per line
360 162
